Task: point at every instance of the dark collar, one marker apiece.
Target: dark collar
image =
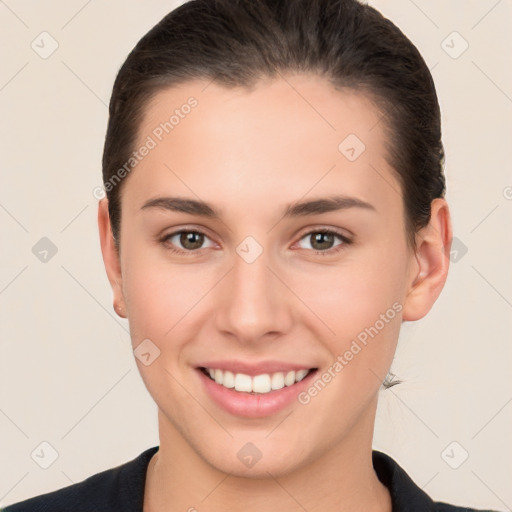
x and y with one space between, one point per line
122 488
405 494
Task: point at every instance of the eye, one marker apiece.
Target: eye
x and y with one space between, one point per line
187 242
322 240
190 240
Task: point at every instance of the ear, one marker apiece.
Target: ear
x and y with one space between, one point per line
430 269
111 256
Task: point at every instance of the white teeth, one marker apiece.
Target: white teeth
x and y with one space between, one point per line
300 375
243 382
228 380
289 378
277 380
263 383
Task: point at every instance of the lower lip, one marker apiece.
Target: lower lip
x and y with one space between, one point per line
257 405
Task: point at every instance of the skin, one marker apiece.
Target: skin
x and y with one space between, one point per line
250 153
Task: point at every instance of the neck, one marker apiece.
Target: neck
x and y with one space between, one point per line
340 480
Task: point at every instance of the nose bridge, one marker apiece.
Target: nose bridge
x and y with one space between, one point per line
253 302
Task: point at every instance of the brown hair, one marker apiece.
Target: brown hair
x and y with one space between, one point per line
238 42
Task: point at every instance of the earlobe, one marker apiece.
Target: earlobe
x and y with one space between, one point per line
110 256
432 257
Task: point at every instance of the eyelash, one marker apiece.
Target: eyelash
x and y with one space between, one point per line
334 250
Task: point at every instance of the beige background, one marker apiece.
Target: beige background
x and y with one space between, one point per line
67 373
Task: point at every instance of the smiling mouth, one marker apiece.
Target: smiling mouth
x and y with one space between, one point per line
257 384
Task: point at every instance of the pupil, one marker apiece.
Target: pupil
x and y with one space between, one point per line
187 238
319 237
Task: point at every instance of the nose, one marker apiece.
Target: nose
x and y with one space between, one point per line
253 302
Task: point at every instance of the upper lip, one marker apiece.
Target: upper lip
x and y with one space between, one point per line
253 368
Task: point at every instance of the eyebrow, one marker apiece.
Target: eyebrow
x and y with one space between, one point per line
297 209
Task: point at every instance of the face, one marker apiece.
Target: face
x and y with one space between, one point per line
264 286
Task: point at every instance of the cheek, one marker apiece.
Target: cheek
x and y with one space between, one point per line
363 311
377 317
155 294
161 301
361 303
159 297
352 295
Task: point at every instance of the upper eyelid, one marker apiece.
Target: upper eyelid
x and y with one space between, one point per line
344 234
336 231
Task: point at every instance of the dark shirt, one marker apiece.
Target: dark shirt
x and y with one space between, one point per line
121 489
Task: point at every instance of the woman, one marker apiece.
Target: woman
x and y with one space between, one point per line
275 209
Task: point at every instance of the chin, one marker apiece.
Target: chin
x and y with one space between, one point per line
270 466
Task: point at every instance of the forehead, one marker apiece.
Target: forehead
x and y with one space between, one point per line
293 134
300 103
